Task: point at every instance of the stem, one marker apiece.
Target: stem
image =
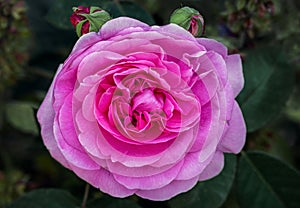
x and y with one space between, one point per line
85 196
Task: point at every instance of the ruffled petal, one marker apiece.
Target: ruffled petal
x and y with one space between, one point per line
115 26
235 73
45 116
103 180
167 192
214 167
234 138
175 31
192 167
150 182
85 41
213 45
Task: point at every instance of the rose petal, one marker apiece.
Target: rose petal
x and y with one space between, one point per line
213 45
235 73
192 167
73 155
143 171
150 182
216 128
103 180
214 167
177 149
114 26
97 63
45 116
234 138
175 31
167 192
86 41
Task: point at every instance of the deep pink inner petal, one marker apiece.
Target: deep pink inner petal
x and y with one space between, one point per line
135 150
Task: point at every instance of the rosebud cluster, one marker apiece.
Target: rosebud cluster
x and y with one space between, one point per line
252 16
14 35
88 19
190 19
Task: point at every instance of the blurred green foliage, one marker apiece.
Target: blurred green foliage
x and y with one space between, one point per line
265 32
14 41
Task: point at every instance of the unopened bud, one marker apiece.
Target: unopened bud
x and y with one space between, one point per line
88 19
190 19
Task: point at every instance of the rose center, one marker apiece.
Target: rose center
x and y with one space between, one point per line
145 104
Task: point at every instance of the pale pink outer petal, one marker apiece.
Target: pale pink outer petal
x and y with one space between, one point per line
46 117
192 167
234 138
150 182
174 31
213 45
229 100
214 167
67 142
103 180
169 191
85 41
117 25
235 73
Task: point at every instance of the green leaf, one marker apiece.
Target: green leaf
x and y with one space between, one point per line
46 198
211 193
21 116
110 202
269 81
264 181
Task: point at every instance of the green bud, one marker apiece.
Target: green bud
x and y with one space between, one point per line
190 19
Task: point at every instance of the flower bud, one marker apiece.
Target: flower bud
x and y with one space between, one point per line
88 19
190 19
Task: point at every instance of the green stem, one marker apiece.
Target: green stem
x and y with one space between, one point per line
85 196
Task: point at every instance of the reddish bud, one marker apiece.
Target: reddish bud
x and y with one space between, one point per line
190 19
88 19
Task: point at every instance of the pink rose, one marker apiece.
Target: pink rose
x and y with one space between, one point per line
144 110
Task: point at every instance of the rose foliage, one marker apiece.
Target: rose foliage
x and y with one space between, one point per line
145 110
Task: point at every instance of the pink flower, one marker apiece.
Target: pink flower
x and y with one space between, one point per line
144 110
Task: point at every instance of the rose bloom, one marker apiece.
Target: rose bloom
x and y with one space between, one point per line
145 110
